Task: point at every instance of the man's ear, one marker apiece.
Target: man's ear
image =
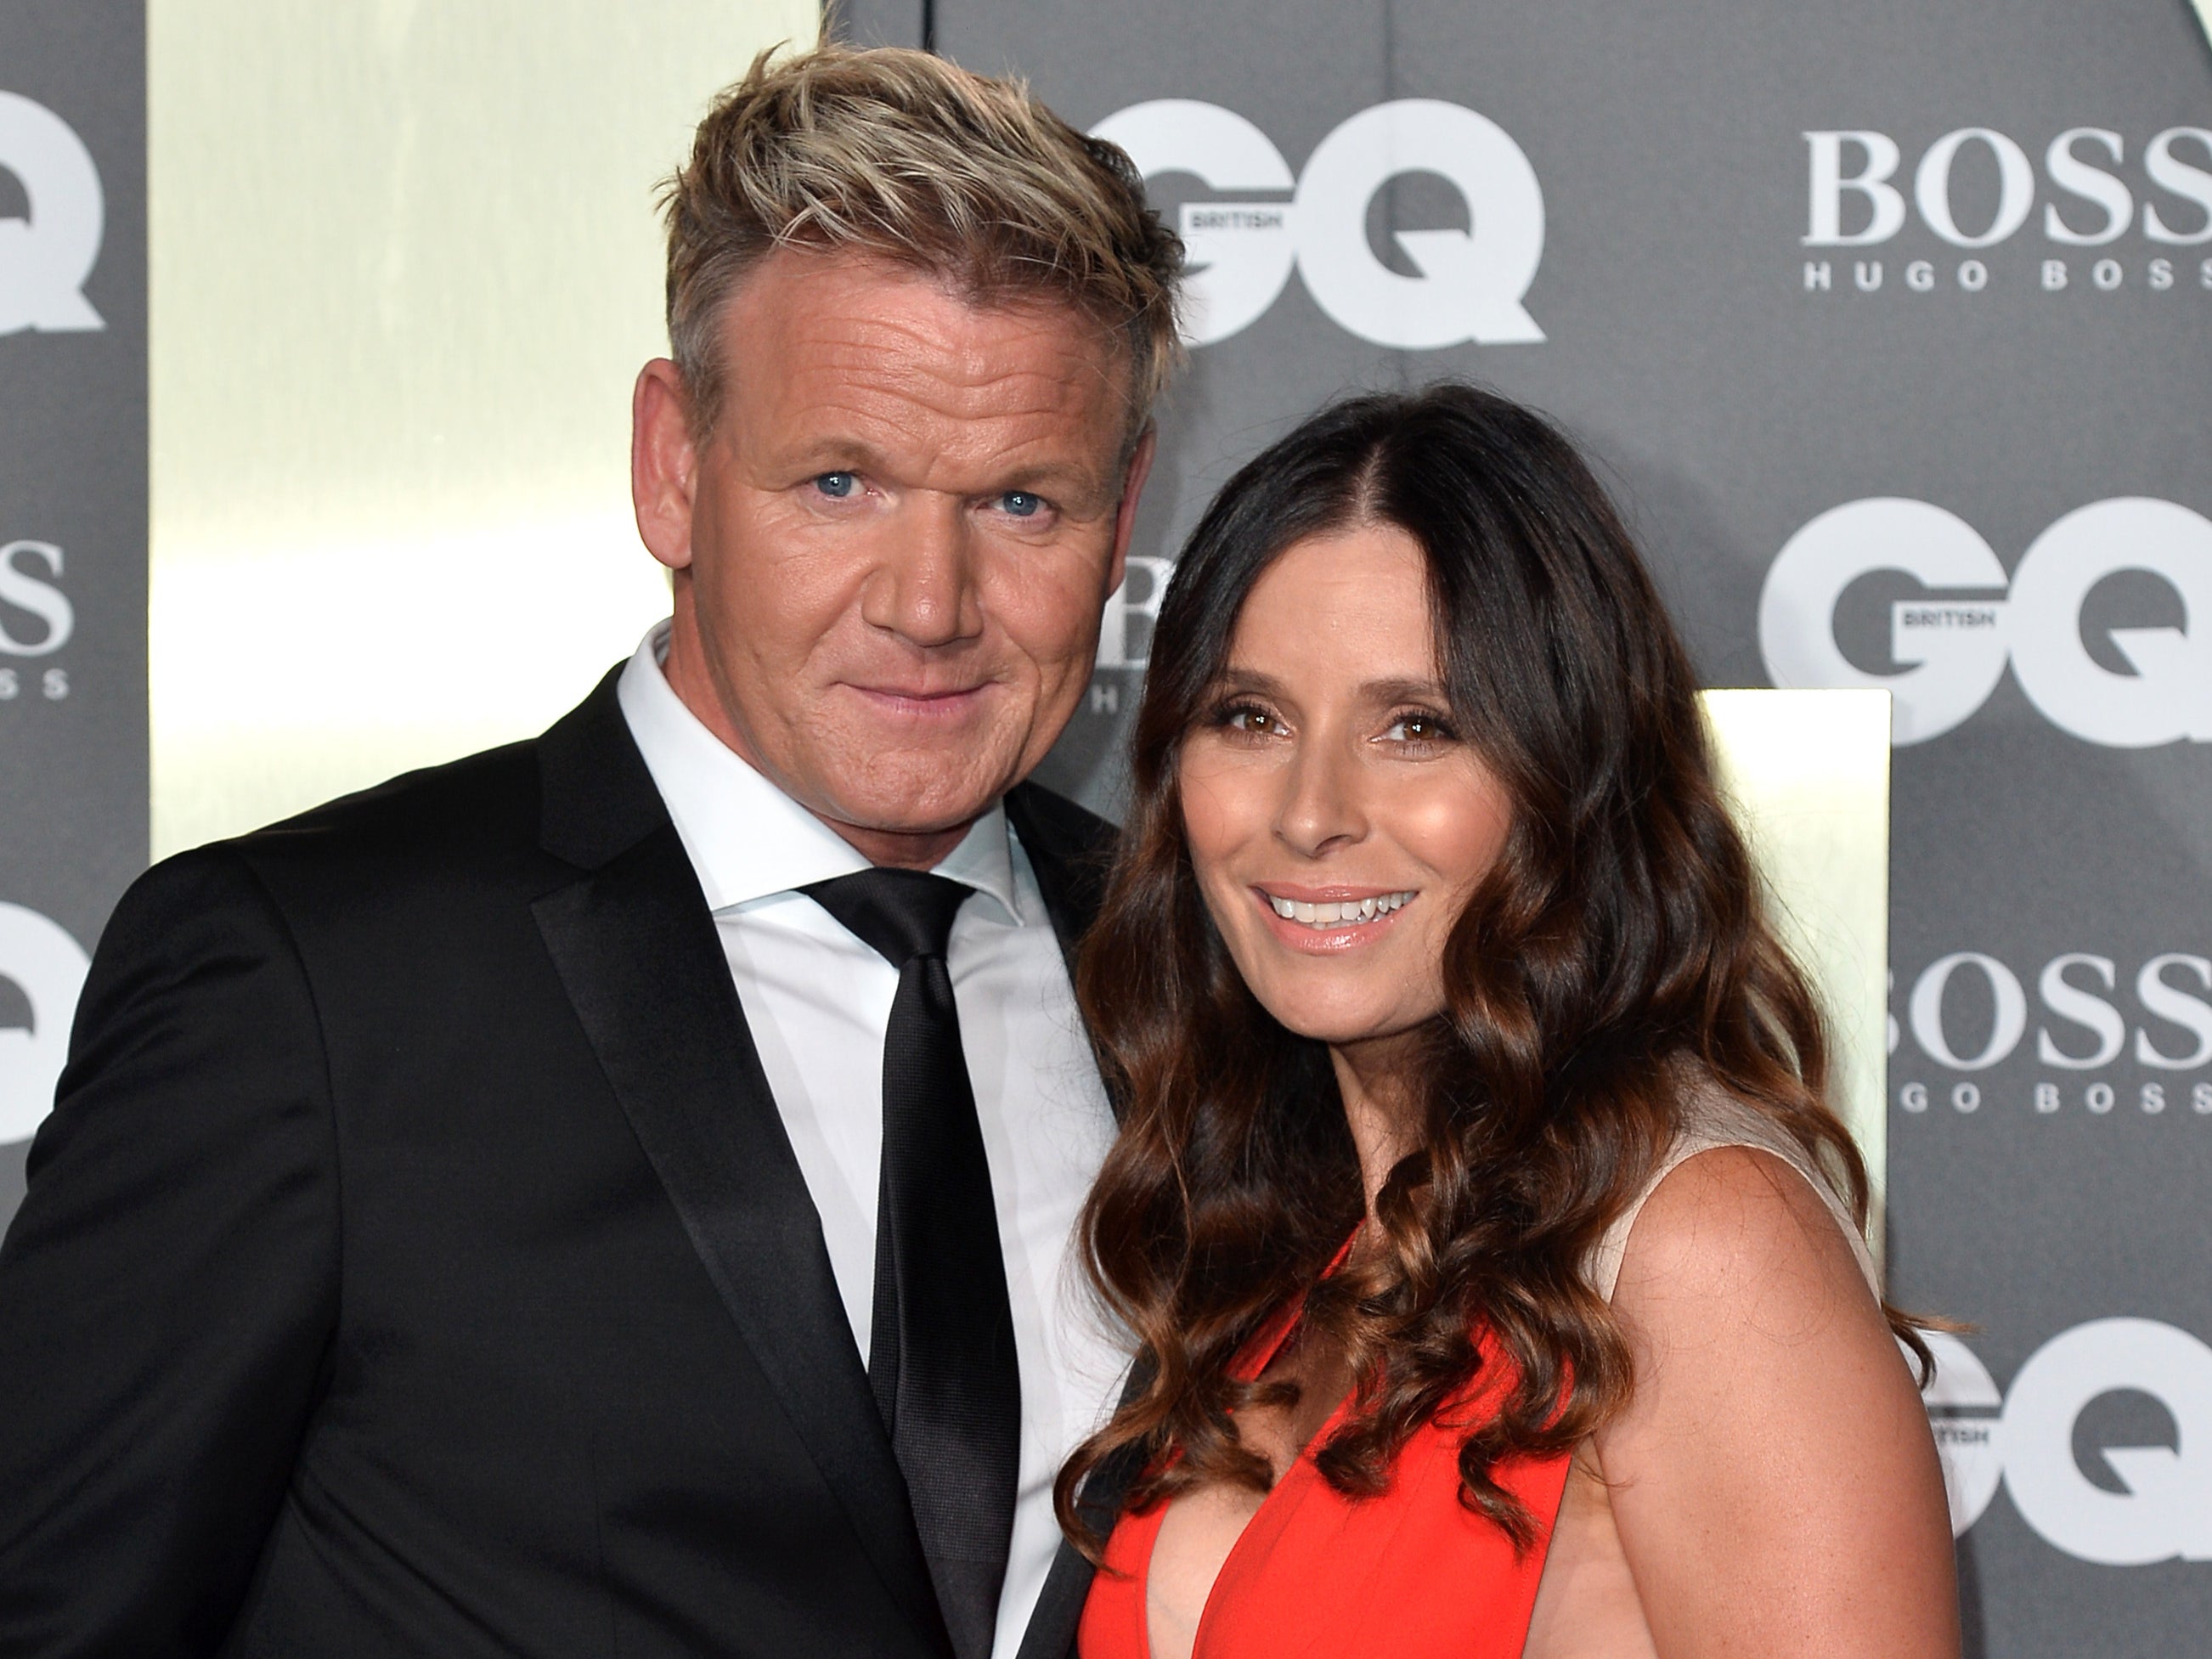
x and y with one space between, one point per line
1133 490
664 462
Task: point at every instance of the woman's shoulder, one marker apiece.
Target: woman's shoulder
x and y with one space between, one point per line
1732 1179
1772 1471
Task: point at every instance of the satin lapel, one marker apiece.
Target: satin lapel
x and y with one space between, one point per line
1059 1613
1069 850
637 952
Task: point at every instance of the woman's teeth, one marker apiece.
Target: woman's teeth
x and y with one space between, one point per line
1337 914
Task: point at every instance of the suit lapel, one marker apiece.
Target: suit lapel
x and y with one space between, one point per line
1059 1614
637 952
1070 849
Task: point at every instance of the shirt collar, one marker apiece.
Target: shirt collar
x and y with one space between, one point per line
746 839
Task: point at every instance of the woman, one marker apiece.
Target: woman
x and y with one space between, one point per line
1495 1261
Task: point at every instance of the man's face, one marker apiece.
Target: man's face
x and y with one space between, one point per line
894 546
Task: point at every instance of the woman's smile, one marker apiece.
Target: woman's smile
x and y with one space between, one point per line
1328 920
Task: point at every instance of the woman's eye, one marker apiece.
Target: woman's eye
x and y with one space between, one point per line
1418 728
1253 722
837 485
1020 504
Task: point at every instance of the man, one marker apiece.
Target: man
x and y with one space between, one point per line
602 1196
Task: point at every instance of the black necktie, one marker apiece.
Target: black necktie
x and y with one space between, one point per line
941 1344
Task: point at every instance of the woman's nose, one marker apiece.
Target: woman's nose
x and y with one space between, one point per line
1320 809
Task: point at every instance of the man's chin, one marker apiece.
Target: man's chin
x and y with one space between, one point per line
920 793
888 778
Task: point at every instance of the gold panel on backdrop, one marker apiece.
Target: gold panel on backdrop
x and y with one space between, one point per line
1809 774
403 266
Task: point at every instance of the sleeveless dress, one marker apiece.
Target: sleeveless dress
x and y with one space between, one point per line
1411 1574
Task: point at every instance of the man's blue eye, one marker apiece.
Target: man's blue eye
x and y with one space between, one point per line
1020 504
837 485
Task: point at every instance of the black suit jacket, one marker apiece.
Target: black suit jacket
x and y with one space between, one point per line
415 1262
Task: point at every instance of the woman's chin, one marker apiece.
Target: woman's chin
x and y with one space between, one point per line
1341 1027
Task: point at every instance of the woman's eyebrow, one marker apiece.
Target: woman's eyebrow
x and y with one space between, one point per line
1403 691
1234 678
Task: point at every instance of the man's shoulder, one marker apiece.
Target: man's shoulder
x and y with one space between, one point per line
485 810
1069 848
488 802
416 855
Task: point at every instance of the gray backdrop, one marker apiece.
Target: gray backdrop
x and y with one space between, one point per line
73 785
1752 327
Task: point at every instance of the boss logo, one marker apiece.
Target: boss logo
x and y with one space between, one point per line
46 257
28 573
1470 283
1125 631
2149 1506
48 966
2085 1031
1957 642
2094 205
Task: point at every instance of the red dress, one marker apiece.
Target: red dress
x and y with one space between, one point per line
1411 1574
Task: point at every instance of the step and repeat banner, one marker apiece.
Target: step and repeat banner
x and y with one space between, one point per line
1891 327
73 790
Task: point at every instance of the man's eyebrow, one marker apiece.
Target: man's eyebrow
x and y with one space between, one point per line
837 455
1071 483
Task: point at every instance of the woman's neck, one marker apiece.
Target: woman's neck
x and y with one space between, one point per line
1373 1078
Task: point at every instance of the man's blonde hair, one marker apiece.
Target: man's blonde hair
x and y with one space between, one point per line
900 155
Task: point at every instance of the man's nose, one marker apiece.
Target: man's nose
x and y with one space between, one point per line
1322 810
923 587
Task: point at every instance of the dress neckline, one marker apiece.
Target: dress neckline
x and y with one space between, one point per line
1265 1350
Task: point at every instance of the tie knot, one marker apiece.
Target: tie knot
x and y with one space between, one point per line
900 914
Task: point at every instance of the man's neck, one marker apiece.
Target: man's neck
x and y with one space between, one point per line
899 849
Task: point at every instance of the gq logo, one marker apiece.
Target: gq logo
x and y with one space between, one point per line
46 257
2158 1505
1956 648
1471 282
48 967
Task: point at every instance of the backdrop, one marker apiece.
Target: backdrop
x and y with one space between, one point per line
1892 327
73 793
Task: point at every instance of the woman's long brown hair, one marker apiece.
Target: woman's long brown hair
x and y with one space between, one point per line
1618 948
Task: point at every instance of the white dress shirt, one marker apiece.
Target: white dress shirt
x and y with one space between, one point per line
818 1001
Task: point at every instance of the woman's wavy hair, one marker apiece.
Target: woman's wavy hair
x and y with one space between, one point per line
1617 950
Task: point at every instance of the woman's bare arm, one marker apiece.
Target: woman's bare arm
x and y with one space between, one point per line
1773 1479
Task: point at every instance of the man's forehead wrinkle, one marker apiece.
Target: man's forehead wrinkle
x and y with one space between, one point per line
892 412
953 332
975 380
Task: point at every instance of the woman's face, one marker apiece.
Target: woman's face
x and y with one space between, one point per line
1337 822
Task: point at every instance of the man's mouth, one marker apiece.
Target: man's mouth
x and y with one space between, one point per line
923 701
